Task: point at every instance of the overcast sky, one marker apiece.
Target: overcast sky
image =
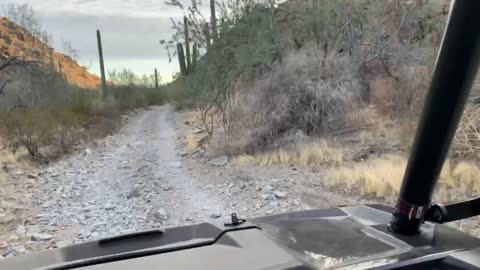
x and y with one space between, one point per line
131 30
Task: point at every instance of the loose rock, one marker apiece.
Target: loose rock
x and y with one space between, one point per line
19 249
280 194
268 196
215 215
160 214
135 192
41 237
267 189
219 161
20 231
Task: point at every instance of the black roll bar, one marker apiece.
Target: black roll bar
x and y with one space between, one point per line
454 73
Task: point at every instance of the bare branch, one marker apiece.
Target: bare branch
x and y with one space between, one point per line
4 84
19 62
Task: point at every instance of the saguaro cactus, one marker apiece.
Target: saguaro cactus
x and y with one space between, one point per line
206 33
213 20
194 56
102 67
60 72
52 64
156 78
222 28
181 59
187 44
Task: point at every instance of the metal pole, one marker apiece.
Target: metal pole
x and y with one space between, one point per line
455 71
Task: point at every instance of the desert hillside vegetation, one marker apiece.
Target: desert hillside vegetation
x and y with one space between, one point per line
49 104
327 84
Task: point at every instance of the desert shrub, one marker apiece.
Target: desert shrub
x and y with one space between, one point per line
67 138
406 133
178 94
125 97
248 45
68 122
412 87
81 101
304 65
299 94
31 129
466 143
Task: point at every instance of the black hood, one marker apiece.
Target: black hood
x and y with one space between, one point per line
354 237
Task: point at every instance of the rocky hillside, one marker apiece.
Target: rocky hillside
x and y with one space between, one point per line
15 41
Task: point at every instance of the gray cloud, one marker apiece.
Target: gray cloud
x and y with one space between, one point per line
84 1
131 30
127 41
123 37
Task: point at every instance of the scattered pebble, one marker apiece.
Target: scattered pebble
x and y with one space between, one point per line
219 161
41 237
280 194
21 231
215 215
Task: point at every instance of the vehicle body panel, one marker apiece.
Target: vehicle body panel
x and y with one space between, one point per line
353 237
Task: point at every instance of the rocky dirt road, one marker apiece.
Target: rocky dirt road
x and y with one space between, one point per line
137 180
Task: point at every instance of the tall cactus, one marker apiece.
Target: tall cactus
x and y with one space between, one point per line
206 33
102 67
60 71
156 79
52 64
187 44
181 59
194 56
213 20
222 28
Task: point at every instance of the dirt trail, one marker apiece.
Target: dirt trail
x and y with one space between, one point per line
134 181
137 180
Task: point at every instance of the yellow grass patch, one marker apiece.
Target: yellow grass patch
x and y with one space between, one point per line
6 155
376 177
380 176
306 155
191 143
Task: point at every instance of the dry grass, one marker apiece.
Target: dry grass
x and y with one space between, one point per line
377 177
467 138
382 177
306 155
191 143
402 95
406 133
6 156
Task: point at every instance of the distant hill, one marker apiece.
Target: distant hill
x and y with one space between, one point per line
15 41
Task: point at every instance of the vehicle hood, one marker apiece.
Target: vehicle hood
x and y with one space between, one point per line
353 237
